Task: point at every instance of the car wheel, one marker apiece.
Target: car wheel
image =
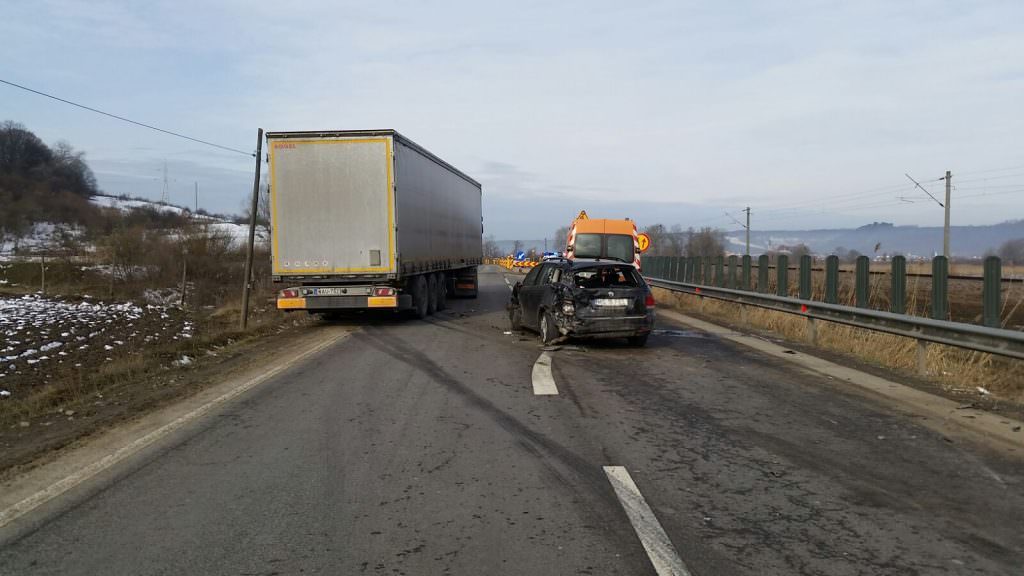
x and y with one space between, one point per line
515 317
548 330
638 341
432 292
420 298
442 292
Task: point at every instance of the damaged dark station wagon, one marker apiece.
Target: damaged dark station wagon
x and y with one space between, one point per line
584 298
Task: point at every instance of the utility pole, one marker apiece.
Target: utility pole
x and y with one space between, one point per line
748 229
197 198
164 197
945 231
247 284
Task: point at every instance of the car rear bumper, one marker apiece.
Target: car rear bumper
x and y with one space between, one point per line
609 327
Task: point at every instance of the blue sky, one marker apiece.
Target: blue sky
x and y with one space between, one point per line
809 112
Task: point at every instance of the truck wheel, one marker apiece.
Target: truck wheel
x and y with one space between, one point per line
420 297
548 330
432 294
515 317
442 291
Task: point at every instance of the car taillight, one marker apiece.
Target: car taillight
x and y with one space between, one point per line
383 291
649 300
288 293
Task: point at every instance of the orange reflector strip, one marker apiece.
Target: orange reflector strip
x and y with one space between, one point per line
465 286
382 302
290 303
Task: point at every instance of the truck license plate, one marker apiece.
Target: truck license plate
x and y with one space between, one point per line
612 302
330 292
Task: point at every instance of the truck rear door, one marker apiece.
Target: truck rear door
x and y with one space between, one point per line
332 205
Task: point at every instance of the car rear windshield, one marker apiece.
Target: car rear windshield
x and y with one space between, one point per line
618 276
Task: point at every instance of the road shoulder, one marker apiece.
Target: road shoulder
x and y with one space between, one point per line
941 414
62 471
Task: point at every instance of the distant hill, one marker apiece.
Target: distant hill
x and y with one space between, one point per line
965 241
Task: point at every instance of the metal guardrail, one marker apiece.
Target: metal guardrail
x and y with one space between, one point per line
999 341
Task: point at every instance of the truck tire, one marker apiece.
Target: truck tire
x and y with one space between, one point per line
433 291
442 291
420 297
548 329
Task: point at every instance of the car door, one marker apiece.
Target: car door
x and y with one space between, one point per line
531 293
528 296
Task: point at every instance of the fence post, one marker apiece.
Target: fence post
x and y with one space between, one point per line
719 271
645 264
898 285
762 273
991 295
922 357
832 279
940 288
698 270
731 280
805 277
782 275
709 271
745 276
862 271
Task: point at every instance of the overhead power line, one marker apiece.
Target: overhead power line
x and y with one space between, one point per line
123 119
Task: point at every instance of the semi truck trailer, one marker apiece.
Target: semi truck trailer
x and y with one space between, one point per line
368 219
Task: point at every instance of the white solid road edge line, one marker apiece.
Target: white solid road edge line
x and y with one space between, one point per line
543 381
663 555
57 488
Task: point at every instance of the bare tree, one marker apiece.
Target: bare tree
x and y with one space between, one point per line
491 248
705 242
561 237
1012 251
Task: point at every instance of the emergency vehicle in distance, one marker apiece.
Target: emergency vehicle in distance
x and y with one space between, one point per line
605 239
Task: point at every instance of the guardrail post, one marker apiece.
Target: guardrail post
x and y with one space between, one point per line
991 293
922 357
940 288
782 275
832 279
762 273
812 331
745 275
862 272
805 277
719 271
898 285
731 281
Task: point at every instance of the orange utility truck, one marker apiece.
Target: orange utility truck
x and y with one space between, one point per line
604 239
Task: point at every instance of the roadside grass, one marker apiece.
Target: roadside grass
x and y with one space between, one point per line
954 369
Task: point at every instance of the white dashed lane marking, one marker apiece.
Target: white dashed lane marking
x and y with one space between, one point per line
543 381
663 555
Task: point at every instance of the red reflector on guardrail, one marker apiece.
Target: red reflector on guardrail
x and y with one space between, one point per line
803 308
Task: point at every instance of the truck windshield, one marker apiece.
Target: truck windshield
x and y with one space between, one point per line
620 247
588 246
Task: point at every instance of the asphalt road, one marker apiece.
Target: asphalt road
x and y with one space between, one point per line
421 448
